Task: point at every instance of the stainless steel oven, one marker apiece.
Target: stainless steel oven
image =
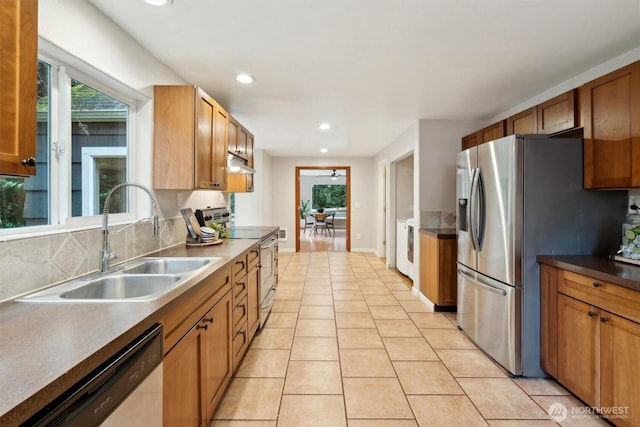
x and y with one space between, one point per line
268 275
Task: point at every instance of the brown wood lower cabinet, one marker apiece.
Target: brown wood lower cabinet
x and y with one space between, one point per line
438 280
594 342
198 368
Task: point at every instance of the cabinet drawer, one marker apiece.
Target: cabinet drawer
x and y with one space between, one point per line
239 290
616 299
253 257
239 267
239 314
239 343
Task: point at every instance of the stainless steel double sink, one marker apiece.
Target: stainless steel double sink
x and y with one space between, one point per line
141 280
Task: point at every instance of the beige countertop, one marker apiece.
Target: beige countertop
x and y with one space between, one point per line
45 348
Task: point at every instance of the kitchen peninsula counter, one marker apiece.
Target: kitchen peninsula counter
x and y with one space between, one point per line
46 347
601 268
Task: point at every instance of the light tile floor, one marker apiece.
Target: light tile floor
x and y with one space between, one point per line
348 344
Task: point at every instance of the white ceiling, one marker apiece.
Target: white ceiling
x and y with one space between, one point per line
373 67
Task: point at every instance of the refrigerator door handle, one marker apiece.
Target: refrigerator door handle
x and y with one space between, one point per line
482 209
477 282
473 208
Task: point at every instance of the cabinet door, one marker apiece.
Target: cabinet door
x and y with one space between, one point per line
217 352
250 141
219 160
232 135
525 122
241 148
549 319
18 86
447 254
205 141
429 267
578 348
557 114
610 116
492 132
470 141
620 370
253 317
182 402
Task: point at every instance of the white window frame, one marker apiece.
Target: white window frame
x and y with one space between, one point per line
89 173
65 67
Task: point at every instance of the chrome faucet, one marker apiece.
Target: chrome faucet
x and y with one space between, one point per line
106 253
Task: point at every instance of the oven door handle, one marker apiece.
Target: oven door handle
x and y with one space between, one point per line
272 293
270 243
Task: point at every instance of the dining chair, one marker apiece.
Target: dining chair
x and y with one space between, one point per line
329 223
320 222
309 222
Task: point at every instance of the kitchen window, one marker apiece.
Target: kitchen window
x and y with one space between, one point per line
83 143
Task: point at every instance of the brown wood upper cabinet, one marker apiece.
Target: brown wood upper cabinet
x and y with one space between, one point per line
610 115
525 122
489 133
240 143
18 86
190 140
557 114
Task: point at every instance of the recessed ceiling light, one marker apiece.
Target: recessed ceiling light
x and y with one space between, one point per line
245 78
323 150
324 126
159 2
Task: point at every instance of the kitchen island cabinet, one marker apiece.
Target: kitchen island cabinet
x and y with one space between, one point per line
438 280
610 116
18 85
591 341
189 140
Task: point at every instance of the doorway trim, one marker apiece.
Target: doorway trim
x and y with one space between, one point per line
297 201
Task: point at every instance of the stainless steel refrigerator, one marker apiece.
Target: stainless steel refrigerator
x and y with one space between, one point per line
518 197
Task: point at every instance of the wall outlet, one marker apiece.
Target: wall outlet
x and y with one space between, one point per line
179 200
358 236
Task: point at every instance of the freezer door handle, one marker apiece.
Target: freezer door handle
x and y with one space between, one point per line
477 209
482 285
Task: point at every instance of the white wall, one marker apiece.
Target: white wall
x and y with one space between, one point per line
256 208
404 188
438 147
363 188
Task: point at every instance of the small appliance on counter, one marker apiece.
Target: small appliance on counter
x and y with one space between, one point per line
199 234
630 249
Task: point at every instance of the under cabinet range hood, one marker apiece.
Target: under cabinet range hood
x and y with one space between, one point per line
236 164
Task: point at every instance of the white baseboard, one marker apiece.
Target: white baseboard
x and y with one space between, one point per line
422 298
369 250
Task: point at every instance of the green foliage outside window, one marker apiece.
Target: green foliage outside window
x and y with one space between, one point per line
328 196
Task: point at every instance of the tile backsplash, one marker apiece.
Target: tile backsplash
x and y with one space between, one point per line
34 263
437 219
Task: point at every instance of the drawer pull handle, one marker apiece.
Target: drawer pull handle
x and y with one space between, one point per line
241 332
240 262
240 305
597 284
209 319
592 313
604 319
205 327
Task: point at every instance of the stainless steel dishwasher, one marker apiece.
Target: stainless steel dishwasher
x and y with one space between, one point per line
124 391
